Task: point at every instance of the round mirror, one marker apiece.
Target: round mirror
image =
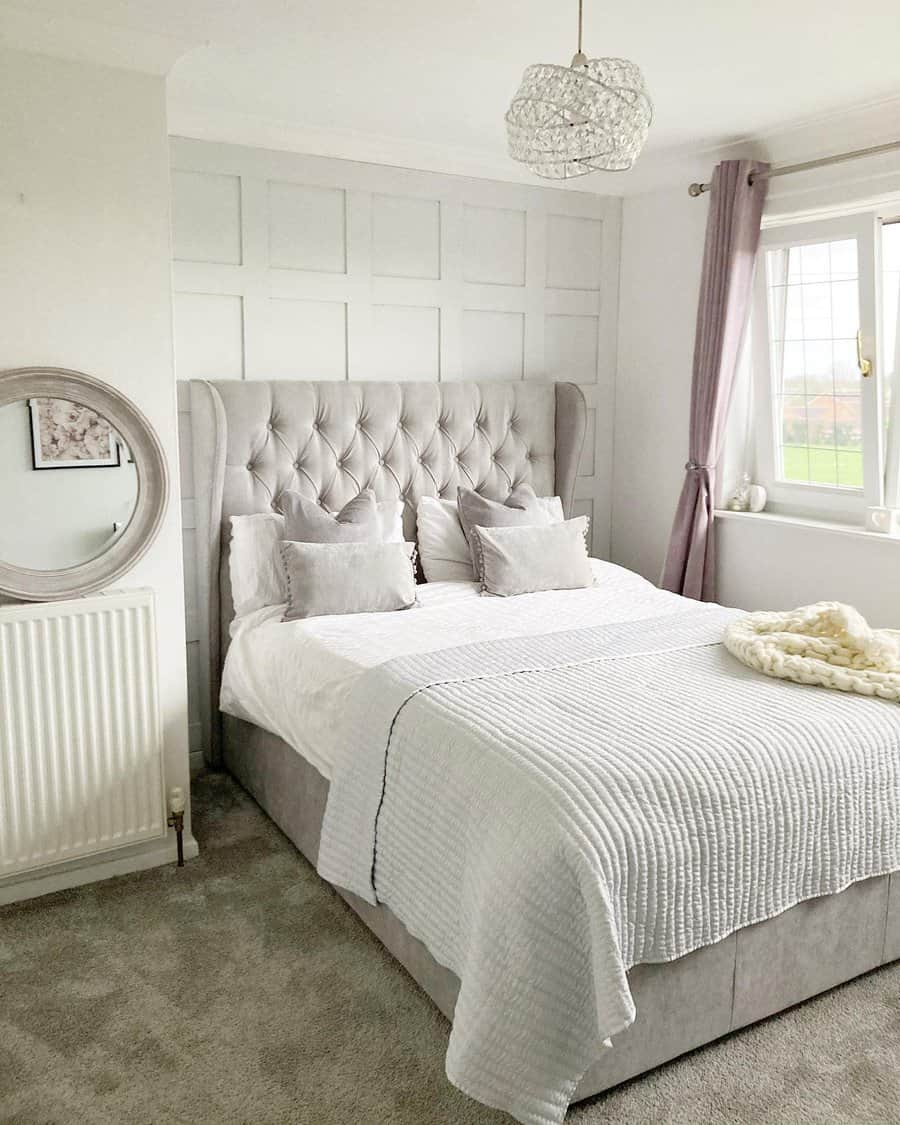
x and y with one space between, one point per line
82 484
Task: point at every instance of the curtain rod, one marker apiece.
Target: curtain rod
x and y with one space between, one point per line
787 169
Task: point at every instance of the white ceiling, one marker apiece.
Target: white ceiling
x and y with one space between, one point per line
421 73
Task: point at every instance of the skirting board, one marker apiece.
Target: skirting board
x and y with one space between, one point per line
122 861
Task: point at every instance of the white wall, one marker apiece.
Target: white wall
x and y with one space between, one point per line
760 564
299 267
662 248
85 279
769 564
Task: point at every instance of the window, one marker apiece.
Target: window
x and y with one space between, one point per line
824 359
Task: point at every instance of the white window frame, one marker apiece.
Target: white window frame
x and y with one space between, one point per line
891 217
817 500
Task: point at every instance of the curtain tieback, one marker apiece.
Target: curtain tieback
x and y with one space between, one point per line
695 467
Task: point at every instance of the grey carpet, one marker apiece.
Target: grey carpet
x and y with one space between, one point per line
242 989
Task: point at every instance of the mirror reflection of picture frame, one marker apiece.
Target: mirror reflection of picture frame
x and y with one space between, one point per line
68 435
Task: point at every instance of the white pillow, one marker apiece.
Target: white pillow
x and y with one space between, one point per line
257 572
390 515
255 562
443 550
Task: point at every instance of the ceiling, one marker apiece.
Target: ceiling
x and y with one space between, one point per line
439 75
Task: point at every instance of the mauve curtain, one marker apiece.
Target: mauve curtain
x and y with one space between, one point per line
729 256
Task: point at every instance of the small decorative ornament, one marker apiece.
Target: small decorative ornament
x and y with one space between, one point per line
740 501
757 498
886 521
592 116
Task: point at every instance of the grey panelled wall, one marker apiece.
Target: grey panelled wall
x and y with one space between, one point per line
298 267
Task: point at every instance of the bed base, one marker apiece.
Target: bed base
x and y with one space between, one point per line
682 1004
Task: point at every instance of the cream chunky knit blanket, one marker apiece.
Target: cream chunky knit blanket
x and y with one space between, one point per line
827 643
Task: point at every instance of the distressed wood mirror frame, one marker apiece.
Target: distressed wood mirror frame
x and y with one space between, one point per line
139 436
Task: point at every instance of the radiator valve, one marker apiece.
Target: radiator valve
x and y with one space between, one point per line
176 819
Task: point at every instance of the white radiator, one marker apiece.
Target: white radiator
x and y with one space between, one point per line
81 766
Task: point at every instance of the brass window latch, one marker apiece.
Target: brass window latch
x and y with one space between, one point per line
865 365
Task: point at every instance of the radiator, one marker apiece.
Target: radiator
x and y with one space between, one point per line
81 767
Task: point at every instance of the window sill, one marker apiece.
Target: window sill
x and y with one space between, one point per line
809 524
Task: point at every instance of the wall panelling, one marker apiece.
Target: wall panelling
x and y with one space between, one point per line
298 267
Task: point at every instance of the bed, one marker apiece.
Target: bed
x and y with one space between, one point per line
254 439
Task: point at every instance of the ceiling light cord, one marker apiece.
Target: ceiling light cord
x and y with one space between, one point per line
580 59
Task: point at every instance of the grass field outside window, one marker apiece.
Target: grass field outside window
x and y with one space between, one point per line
819 464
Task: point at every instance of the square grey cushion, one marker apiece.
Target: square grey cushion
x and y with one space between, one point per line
306 522
522 508
523 560
336 578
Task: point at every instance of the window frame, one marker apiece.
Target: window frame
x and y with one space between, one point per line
798 497
891 430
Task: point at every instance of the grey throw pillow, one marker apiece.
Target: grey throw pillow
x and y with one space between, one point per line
337 578
523 560
356 522
522 508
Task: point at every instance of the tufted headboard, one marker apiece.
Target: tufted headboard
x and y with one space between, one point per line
252 440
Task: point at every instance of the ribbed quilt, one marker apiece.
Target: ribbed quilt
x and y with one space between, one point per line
546 812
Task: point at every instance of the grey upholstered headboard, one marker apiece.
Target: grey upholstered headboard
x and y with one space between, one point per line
252 440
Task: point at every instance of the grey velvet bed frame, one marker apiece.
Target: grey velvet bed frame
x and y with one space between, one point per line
253 439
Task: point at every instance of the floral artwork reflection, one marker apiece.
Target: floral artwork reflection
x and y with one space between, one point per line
67 435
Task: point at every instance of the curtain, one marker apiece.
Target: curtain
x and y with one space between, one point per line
729 257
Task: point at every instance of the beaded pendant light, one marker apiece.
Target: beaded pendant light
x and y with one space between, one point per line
591 116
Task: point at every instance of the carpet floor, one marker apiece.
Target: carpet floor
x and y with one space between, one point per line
242 989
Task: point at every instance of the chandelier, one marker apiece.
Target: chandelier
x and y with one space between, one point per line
591 116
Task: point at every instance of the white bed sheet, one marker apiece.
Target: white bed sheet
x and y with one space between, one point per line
292 677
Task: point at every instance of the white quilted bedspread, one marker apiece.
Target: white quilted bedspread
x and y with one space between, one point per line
545 812
550 789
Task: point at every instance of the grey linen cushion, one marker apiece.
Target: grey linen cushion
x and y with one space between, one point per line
520 509
523 560
336 578
356 522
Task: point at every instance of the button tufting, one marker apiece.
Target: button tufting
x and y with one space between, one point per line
315 425
249 466
296 464
380 460
270 426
